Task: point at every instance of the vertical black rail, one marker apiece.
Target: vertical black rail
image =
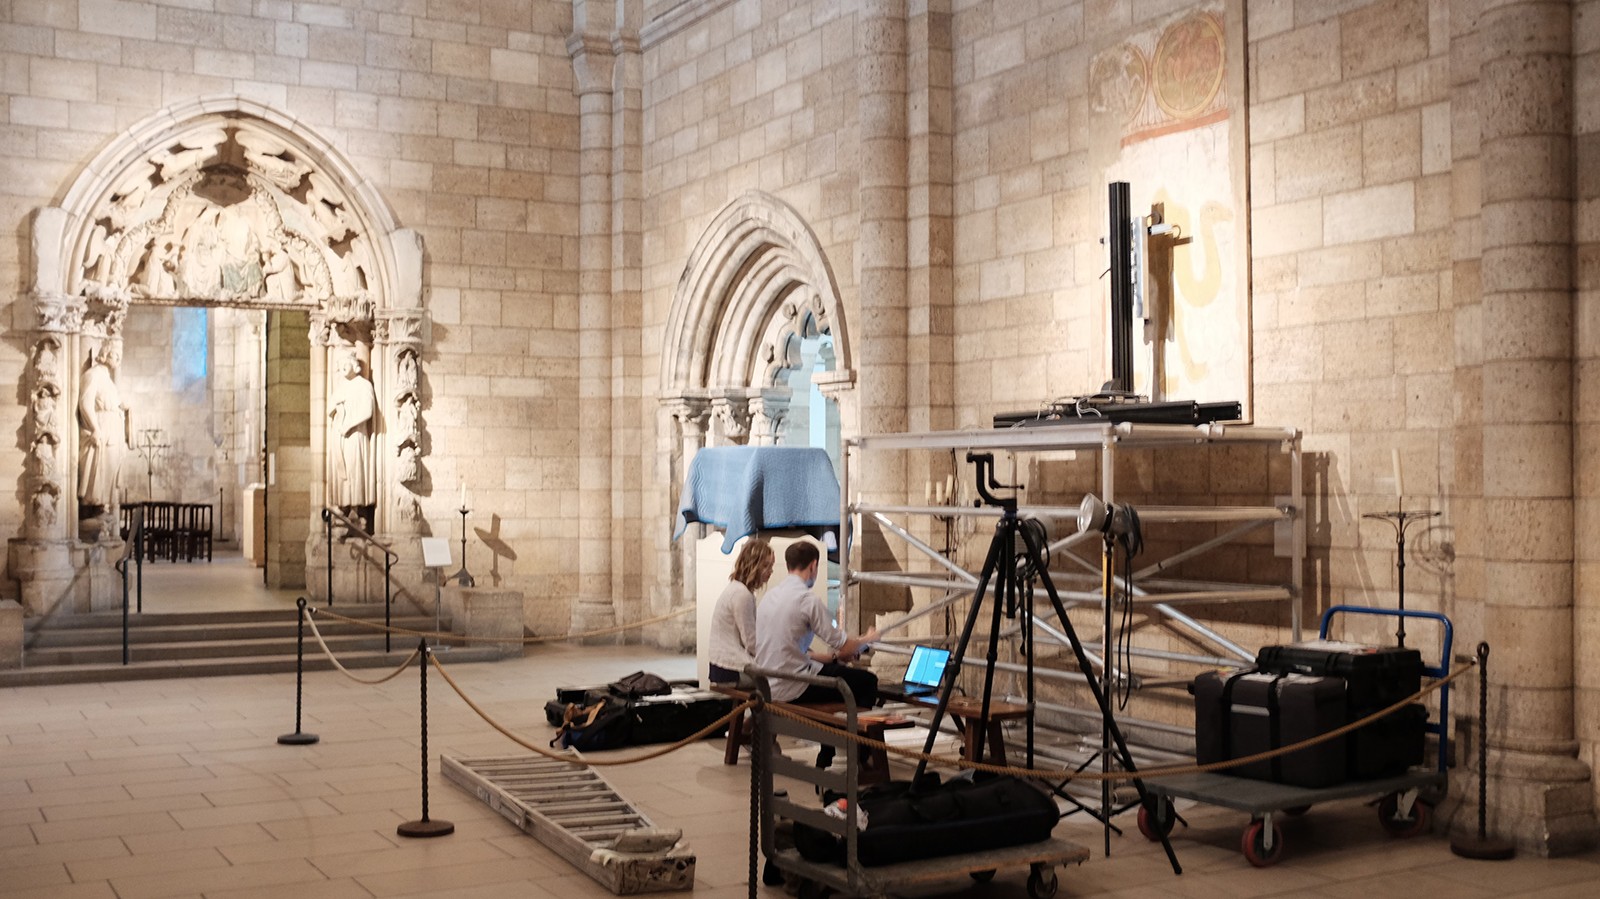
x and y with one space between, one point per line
425 827
1120 242
124 566
388 595
327 530
1482 846
299 737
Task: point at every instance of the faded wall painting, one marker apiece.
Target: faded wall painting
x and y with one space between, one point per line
1167 116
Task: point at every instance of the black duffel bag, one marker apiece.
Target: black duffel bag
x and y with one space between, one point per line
986 811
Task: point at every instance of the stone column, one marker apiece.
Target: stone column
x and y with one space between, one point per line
688 417
628 441
1540 792
881 255
593 61
398 345
41 560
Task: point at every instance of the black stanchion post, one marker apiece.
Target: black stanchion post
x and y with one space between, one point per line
425 827
388 596
1483 846
299 737
327 530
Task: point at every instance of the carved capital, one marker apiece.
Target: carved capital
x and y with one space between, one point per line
53 313
401 327
767 414
732 415
834 384
689 411
593 61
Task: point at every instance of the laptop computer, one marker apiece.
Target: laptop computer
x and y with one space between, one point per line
924 672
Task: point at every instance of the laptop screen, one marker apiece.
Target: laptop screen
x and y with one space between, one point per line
927 665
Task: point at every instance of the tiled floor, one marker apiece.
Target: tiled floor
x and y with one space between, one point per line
179 788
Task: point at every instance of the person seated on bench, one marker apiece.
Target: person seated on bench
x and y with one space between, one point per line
787 620
733 623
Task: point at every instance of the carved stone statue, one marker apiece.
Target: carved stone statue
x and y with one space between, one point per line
102 416
44 508
44 409
351 405
410 467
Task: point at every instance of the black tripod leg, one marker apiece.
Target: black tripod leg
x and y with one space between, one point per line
1035 554
959 654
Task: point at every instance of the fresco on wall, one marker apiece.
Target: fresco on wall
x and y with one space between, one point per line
1165 103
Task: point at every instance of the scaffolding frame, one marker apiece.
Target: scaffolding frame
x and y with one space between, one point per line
1161 596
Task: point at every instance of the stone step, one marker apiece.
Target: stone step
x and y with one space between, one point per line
145 632
102 653
161 669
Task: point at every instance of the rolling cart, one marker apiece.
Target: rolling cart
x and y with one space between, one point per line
1405 806
818 879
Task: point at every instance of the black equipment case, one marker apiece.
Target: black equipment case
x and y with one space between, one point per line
1376 676
663 718
1250 712
987 811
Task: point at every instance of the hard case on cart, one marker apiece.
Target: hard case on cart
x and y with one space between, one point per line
1250 712
1376 676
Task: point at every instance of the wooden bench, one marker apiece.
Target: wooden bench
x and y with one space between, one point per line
875 771
966 713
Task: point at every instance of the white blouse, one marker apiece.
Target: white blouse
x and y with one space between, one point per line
733 627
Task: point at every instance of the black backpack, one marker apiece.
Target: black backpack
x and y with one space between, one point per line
639 684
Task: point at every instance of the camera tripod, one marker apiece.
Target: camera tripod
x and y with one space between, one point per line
1000 569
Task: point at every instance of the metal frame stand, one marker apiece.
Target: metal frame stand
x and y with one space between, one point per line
462 576
1400 519
1001 569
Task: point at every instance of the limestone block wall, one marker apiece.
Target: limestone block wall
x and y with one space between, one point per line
460 116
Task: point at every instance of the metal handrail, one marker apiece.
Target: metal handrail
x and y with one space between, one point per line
132 545
354 528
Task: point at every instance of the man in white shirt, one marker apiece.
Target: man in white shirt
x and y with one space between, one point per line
786 621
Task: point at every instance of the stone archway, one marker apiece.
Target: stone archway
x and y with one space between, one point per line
220 202
756 281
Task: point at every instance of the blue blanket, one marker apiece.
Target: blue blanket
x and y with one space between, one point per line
745 489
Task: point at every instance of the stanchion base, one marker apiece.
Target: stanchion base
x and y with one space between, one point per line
1485 849
298 739
425 829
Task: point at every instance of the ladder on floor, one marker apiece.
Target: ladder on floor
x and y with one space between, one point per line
578 815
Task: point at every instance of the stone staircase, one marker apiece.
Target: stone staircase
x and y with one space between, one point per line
88 648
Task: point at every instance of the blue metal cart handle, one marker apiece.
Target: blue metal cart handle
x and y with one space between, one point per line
1440 728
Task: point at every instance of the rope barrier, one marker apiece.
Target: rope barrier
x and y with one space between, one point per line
345 671
572 755
526 641
811 718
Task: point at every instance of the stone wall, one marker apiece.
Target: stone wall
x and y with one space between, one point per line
460 116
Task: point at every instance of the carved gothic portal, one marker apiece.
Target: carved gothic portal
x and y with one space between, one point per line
756 285
222 203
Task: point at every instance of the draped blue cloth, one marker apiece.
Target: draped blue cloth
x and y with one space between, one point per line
746 489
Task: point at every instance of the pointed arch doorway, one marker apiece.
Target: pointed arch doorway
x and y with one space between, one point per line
755 352
222 204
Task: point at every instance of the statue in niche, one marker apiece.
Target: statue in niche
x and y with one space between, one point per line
352 403
410 464
44 409
44 360
103 418
43 508
44 454
406 371
410 430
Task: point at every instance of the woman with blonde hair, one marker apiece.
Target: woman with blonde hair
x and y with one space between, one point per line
733 623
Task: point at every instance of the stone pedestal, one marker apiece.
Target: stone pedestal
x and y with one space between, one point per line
45 572
1544 804
10 634
485 613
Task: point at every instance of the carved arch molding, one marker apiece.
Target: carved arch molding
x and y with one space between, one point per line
223 202
756 282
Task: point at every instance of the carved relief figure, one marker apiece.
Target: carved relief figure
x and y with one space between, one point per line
44 409
410 468
102 416
278 275
43 508
406 371
410 431
44 454
351 405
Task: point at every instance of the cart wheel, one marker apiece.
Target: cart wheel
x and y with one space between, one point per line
1157 824
1038 886
1254 848
1297 811
982 876
1389 816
